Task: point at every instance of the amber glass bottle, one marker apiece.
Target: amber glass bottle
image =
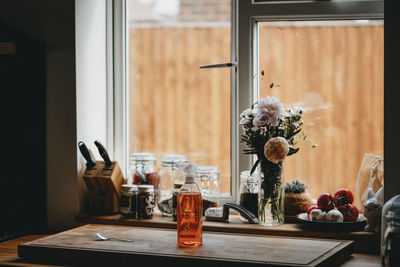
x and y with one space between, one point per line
189 211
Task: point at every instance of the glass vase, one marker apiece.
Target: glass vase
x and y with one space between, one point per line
271 194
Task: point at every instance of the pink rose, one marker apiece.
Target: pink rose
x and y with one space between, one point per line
268 111
261 119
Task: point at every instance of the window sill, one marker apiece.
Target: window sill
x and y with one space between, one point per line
365 242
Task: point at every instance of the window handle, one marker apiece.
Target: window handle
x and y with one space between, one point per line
219 65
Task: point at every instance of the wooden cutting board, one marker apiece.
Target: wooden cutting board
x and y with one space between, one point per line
158 246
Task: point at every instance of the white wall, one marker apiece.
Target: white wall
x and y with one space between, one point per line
91 82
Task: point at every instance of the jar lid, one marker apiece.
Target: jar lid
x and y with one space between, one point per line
245 175
177 186
172 158
146 188
143 156
207 170
393 215
129 187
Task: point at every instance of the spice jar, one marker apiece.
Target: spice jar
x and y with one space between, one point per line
128 203
145 202
248 192
208 179
170 172
175 193
391 240
142 169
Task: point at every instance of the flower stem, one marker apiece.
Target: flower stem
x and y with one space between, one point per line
272 191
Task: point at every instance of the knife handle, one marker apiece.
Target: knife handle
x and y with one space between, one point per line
90 163
103 153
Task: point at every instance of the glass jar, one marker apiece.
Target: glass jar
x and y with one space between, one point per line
128 203
175 193
248 192
391 240
142 169
207 177
145 202
170 172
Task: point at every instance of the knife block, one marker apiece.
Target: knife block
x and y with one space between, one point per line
104 185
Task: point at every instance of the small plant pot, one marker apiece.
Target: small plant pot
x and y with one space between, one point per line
296 203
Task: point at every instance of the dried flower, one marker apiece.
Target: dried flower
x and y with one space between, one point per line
276 149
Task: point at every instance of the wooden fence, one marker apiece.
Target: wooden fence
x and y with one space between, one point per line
336 72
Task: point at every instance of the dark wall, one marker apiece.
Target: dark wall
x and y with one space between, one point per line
22 101
38 110
392 101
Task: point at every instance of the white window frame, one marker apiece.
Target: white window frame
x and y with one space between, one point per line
117 83
118 91
245 16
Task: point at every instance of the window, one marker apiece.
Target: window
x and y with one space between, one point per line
176 107
328 56
172 106
334 69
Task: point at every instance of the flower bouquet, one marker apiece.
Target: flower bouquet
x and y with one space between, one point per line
269 131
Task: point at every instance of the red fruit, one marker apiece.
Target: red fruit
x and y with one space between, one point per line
137 179
312 207
343 196
325 202
350 212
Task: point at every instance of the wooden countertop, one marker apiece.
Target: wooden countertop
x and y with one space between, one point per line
9 255
365 242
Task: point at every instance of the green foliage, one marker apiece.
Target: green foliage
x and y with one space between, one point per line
295 187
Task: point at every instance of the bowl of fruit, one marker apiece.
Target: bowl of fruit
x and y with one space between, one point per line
334 213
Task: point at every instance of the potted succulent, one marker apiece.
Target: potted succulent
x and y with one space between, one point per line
297 200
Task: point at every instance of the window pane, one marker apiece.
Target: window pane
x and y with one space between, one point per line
335 70
175 107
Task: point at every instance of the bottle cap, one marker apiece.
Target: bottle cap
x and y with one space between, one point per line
190 169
